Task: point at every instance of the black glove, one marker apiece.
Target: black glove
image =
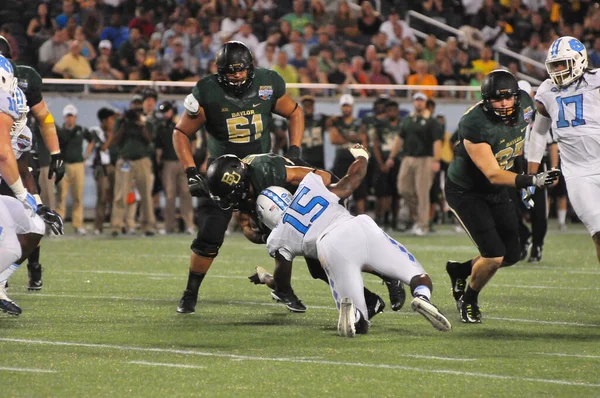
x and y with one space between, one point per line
293 154
196 183
51 218
57 167
546 178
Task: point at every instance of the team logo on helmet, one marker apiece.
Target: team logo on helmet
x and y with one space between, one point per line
231 178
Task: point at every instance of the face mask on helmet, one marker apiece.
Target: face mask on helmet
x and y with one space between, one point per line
270 205
235 58
500 85
566 61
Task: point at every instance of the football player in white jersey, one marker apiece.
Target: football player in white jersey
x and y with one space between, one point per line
569 103
312 223
21 228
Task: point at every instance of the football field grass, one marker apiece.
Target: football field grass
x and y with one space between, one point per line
105 325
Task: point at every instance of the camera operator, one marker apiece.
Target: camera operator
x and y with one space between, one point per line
134 143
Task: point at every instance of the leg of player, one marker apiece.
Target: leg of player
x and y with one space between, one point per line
283 292
34 271
458 273
10 252
596 239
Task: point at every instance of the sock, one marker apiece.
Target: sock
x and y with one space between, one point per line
4 275
34 258
471 295
562 216
194 281
386 218
464 270
422 290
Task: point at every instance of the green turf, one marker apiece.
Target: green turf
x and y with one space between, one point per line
105 325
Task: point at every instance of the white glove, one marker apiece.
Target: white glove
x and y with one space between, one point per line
358 150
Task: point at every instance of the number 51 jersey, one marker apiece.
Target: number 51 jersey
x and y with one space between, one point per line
575 113
314 211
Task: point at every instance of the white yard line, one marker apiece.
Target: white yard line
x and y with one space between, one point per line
168 365
29 370
301 360
558 354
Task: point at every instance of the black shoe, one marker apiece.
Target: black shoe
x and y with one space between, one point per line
7 305
469 312
114 234
375 304
536 254
525 246
34 270
290 300
187 304
397 293
148 234
458 284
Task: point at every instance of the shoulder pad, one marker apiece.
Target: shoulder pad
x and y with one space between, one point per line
191 105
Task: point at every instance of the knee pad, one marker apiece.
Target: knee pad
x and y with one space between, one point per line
205 249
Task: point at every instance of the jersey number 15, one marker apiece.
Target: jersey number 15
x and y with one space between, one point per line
303 210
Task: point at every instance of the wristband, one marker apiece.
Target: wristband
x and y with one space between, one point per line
18 189
523 181
38 200
190 172
55 152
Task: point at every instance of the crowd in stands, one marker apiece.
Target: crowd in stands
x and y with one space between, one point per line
306 41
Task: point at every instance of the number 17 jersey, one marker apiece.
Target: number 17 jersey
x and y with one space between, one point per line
314 211
575 113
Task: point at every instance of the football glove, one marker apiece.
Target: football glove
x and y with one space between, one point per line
52 219
29 202
546 178
294 154
526 194
196 183
57 167
359 150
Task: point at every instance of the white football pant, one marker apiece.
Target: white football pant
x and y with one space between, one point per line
10 248
583 194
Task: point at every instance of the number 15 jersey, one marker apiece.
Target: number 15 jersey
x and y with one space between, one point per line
575 113
314 211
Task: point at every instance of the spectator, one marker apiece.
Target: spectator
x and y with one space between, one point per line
485 63
318 12
462 68
423 78
232 23
68 11
173 175
176 31
178 51
104 71
345 21
534 51
594 55
127 50
213 29
447 77
41 26
341 75
181 73
323 43
299 56
286 29
410 55
52 51
264 6
430 49
421 140
115 31
98 157
396 66
269 58
87 50
380 43
134 143
246 36
298 19
193 32
105 49
487 16
378 76
71 137
73 65
396 30
204 53
326 62
143 21
359 74
451 49
6 32
313 75
310 38
370 56
370 20
287 72
273 39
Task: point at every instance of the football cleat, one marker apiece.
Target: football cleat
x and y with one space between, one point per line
397 293
187 304
375 304
536 254
458 284
34 270
525 246
423 306
260 276
290 300
6 304
469 312
347 318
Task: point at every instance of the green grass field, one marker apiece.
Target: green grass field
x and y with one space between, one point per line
105 325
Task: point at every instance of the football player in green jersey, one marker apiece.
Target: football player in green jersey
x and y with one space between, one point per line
235 105
491 136
31 83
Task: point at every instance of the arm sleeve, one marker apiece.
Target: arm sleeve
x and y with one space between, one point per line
537 138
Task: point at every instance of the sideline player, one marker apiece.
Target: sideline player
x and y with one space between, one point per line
312 223
569 103
491 136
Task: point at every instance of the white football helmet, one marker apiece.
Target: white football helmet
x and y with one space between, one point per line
8 82
270 205
567 60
